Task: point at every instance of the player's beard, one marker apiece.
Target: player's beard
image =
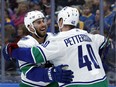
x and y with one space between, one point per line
41 33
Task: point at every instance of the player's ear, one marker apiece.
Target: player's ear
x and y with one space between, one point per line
60 22
31 28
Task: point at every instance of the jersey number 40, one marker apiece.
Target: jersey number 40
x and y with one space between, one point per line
84 60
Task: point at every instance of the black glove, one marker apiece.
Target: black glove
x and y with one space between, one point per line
7 50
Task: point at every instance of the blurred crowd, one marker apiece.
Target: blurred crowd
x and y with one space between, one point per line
15 11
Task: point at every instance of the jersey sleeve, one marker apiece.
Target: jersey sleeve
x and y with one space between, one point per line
34 73
99 40
38 54
23 54
41 54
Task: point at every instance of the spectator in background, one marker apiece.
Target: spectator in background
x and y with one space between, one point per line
95 6
75 2
9 33
7 8
108 19
35 5
8 18
13 4
21 32
47 12
108 16
61 2
80 25
9 37
69 2
18 17
95 27
44 2
47 9
87 17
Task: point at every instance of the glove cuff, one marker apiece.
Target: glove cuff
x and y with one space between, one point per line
49 74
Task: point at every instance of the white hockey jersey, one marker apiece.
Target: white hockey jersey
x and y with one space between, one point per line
29 41
78 49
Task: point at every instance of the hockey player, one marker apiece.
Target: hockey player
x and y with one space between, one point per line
72 46
35 23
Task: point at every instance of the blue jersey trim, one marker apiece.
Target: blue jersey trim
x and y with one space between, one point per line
24 64
31 84
98 80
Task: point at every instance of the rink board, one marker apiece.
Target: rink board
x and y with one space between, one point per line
17 85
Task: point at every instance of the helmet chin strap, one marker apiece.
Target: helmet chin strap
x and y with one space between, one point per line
37 34
35 31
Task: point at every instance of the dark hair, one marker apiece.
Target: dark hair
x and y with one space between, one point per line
25 31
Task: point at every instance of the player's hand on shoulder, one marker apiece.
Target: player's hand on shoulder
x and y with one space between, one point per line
7 50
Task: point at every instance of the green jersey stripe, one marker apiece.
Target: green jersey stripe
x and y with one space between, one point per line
37 55
25 69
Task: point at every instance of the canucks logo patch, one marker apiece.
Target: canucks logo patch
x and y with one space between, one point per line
45 44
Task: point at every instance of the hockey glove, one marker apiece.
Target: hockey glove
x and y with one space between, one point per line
7 50
59 74
53 74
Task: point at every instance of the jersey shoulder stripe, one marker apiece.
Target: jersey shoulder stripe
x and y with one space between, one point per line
38 55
